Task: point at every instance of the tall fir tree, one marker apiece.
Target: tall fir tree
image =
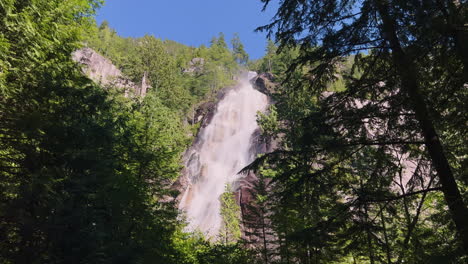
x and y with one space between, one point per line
230 231
238 49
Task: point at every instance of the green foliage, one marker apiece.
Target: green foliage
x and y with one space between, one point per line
226 254
364 124
257 219
268 123
84 170
174 78
162 73
238 49
230 231
194 249
276 61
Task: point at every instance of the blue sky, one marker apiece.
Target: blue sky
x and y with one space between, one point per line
191 22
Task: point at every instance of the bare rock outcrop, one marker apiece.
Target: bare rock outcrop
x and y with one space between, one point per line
205 111
102 71
196 65
265 83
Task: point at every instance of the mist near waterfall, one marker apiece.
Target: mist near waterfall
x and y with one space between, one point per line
224 149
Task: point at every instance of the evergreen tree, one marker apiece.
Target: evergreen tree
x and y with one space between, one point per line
270 53
238 49
221 41
162 73
355 143
83 168
230 231
258 229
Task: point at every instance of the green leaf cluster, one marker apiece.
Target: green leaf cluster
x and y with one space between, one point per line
369 123
230 231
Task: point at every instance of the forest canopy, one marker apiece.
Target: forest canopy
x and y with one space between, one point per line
367 123
370 118
84 168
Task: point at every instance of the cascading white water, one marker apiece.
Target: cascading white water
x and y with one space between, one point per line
224 150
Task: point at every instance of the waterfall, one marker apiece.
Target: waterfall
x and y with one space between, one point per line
223 149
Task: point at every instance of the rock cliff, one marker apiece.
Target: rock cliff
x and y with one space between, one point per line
102 71
202 115
265 83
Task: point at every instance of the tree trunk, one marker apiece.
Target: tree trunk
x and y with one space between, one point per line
410 85
369 236
287 249
384 229
265 255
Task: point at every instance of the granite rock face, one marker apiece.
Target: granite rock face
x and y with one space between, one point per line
258 145
265 83
102 71
202 115
196 65
243 186
204 112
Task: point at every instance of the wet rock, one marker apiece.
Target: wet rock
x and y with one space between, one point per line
202 115
265 83
260 145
